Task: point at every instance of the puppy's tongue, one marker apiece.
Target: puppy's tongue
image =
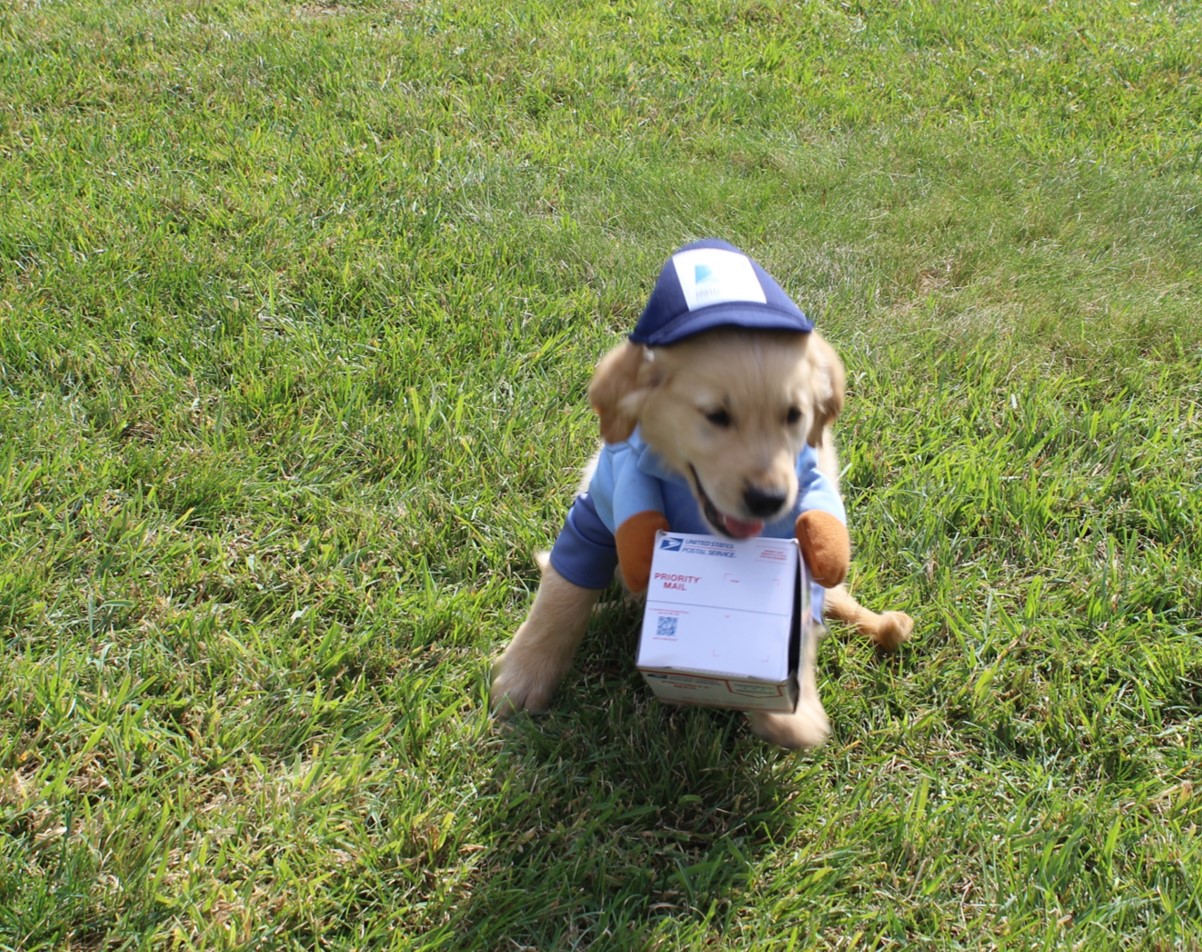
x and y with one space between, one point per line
740 529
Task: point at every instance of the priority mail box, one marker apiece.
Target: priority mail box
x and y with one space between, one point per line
722 627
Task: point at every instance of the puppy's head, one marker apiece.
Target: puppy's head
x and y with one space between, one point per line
729 410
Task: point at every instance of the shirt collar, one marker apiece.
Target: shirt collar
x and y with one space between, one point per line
649 462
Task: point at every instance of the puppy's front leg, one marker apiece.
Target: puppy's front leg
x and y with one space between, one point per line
887 630
529 670
807 725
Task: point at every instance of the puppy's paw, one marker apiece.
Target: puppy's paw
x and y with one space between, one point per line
807 726
895 627
519 685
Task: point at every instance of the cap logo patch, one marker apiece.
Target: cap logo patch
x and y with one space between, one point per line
711 276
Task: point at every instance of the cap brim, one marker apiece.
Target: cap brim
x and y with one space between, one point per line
744 314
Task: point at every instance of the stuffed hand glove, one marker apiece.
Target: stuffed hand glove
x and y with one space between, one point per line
635 539
825 545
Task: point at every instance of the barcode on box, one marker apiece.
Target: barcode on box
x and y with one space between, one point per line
665 627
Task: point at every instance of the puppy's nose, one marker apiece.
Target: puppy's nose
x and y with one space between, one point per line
761 502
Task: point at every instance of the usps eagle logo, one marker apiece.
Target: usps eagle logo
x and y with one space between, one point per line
710 276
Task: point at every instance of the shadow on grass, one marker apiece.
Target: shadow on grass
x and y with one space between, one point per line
616 818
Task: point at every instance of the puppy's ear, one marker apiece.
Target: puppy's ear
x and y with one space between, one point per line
827 376
620 384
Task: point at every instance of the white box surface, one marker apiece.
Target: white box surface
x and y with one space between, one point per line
722 622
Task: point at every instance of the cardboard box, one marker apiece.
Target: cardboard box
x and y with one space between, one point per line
722 626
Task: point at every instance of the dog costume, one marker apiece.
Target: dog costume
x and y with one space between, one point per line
632 495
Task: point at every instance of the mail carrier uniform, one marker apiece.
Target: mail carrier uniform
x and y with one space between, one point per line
630 478
705 285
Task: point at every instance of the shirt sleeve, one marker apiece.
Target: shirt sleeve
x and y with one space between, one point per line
635 491
815 490
584 552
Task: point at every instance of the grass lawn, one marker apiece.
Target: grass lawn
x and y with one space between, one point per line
298 305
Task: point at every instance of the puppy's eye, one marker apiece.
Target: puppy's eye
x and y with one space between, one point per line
793 416
719 418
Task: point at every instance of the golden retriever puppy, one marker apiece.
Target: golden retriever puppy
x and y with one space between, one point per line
716 418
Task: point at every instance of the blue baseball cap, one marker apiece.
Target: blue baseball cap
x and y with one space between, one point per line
711 283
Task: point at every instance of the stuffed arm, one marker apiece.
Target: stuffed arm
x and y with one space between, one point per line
638 500
821 529
636 542
825 545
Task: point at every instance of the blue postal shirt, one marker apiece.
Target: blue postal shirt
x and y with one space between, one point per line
630 478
